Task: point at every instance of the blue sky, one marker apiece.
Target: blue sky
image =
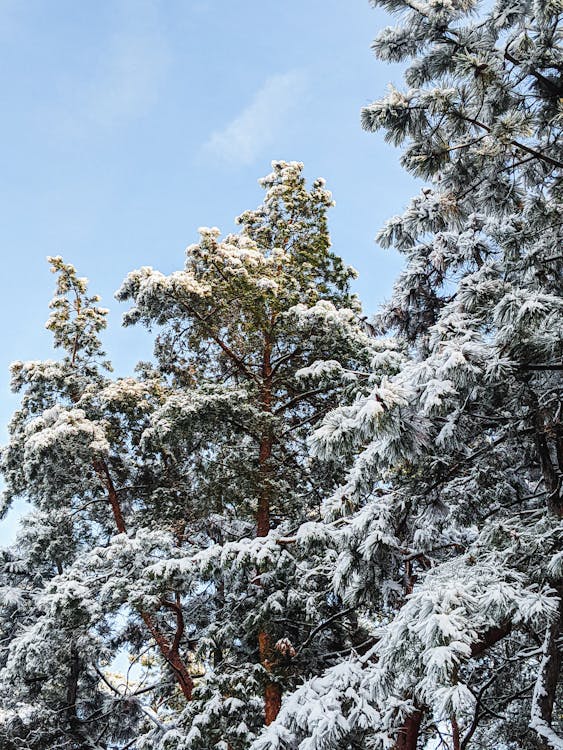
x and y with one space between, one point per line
127 124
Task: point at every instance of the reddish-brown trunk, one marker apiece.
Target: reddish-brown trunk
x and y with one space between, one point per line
407 738
456 739
272 703
272 691
171 655
266 443
103 473
168 650
263 509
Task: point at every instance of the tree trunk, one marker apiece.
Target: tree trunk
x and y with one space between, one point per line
272 704
272 691
263 509
407 738
168 650
549 455
545 689
456 739
408 734
170 653
72 687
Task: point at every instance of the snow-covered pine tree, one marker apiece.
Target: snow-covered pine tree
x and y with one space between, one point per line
70 582
262 322
164 503
451 531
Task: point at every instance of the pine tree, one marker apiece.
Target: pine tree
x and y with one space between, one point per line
451 535
165 503
264 323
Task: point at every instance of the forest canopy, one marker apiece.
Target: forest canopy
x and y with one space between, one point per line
296 528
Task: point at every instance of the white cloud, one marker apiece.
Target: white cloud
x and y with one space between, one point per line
245 138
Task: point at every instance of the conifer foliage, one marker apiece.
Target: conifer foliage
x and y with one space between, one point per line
305 536
165 503
451 536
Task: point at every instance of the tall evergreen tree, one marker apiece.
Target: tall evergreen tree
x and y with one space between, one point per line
264 323
165 503
451 514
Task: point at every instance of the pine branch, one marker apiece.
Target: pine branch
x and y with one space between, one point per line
324 625
555 366
490 638
285 358
517 144
555 89
297 399
217 339
149 714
